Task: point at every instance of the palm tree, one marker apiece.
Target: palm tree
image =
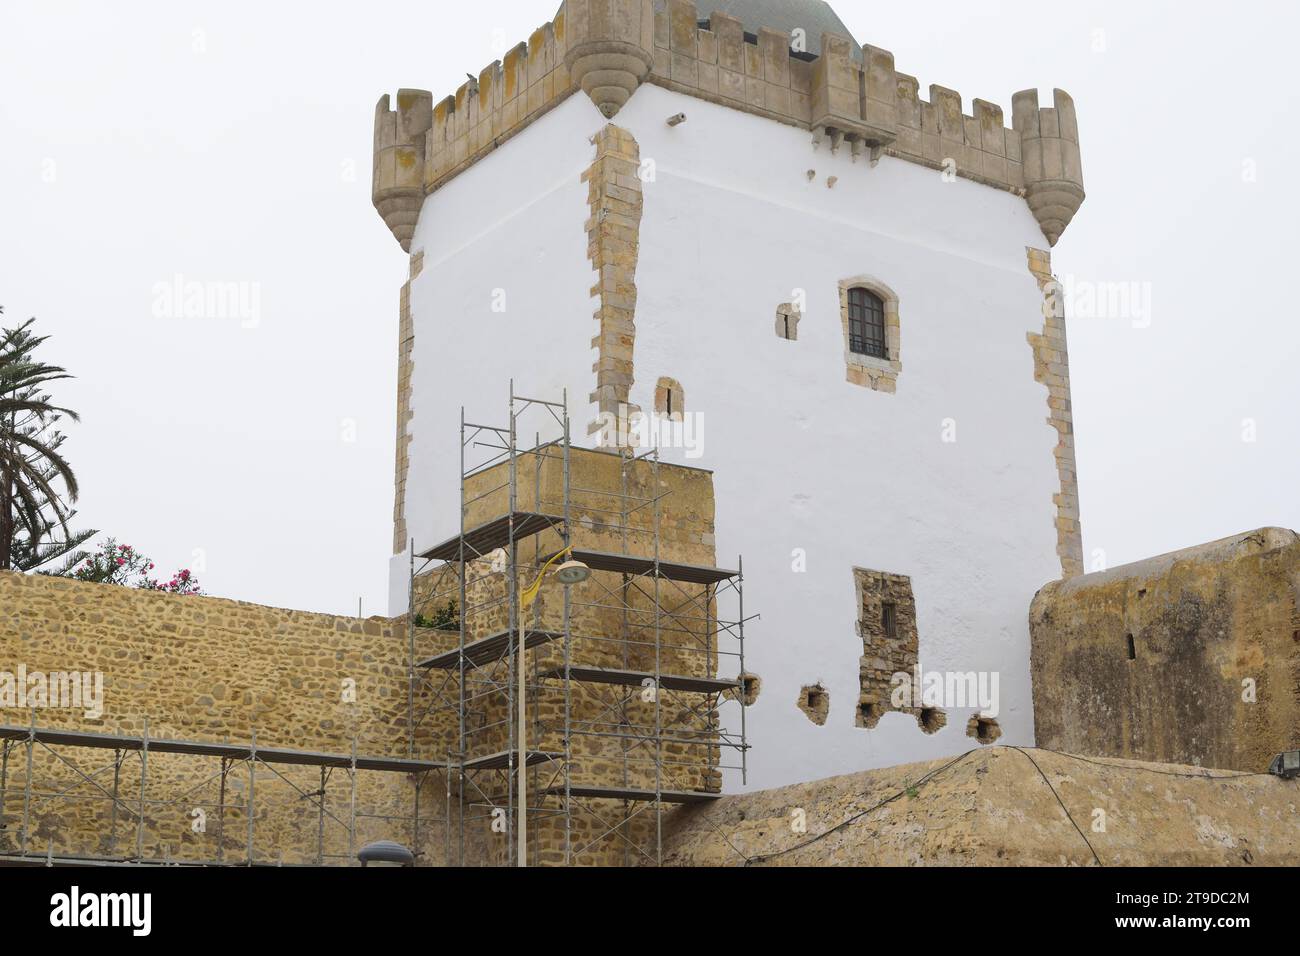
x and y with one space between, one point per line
32 470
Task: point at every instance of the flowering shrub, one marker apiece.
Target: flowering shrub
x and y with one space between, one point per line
121 564
182 582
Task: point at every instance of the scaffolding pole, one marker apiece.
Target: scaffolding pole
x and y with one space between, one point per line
667 610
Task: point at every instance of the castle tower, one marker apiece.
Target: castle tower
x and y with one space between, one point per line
734 226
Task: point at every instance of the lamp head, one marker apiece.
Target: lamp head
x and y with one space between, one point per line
572 572
385 853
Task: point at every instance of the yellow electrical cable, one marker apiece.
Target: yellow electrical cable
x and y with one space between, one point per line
529 594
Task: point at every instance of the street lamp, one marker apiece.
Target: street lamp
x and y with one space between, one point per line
569 573
385 853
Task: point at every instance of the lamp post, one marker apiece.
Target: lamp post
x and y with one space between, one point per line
569 573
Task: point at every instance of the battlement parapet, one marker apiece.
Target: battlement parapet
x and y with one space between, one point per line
608 48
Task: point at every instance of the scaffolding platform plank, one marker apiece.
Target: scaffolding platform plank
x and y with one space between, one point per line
492 647
601 675
492 535
631 793
501 759
632 564
198 748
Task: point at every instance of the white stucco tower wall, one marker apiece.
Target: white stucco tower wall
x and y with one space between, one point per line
954 470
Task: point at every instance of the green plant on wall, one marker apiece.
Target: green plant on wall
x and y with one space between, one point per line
446 618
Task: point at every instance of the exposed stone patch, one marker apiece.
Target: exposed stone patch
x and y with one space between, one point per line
869 713
931 720
984 730
670 399
613 239
815 701
1052 368
750 687
787 321
887 626
405 367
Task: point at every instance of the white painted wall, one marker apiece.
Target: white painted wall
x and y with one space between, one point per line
802 459
513 221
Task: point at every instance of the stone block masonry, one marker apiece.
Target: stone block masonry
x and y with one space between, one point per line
1052 369
994 808
612 739
213 670
209 669
1192 657
613 241
405 369
887 626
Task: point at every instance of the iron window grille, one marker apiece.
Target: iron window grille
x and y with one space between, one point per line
867 324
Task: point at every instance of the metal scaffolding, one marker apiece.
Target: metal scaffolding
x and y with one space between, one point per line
125 839
615 721
668 645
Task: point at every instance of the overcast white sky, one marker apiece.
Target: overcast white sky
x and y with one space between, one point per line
231 142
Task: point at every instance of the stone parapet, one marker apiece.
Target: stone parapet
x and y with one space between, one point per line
1191 657
608 48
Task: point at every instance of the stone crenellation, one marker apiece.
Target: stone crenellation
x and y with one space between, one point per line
608 48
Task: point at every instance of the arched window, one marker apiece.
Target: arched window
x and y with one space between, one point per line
867 324
872 351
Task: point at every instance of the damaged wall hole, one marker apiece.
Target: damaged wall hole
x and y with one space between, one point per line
931 720
750 685
1131 647
985 730
886 612
869 713
815 702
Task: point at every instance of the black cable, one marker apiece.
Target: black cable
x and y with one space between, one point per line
1068 815
739 851
858 816
938 770
1166 773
